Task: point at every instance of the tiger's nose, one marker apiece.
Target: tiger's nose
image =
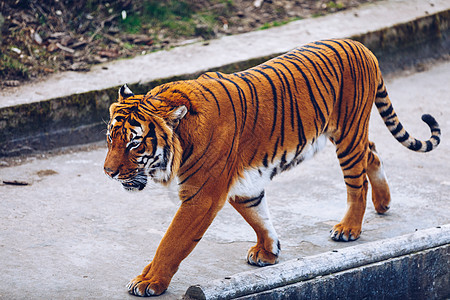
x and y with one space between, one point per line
110 172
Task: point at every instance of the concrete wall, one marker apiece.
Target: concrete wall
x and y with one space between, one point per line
413 266
421 275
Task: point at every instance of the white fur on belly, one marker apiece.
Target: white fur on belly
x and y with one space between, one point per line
254 180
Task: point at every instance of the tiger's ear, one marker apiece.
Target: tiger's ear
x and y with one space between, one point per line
125 92
175 115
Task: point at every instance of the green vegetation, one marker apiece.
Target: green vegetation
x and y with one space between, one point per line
334 5
278 23
331 6
176 18
9 66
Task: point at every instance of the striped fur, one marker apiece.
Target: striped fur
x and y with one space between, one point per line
392 122
224 136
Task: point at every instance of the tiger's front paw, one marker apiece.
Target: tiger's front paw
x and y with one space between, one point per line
341 232
141 286
260 257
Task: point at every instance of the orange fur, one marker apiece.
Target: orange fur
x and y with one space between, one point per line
225 135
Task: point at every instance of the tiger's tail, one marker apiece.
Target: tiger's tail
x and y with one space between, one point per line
384 106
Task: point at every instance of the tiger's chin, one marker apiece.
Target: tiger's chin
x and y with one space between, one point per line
135 184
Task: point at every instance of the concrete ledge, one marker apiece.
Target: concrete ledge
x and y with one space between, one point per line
409 266
409 44
421 275
80 117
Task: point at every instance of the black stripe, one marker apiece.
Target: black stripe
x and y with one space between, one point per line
338 56
397 129
362 66
300 131
275 149
166 154
283 160
291 97
145 107
381 104
429 146
403 138
152 135
416 145
312 98
274 172
275 102
353 186
321 68
265 162
328 64
258 200
242 101
349 59
391 122
142 150
314 79
187 153
181 93
119 118
387 112
356 121
282 100
198 191
234 115
355 176
134 123
355 161
253 156
340 64
212 94
253 94
196 163
382 94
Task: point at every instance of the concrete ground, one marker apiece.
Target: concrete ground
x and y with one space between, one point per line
71 233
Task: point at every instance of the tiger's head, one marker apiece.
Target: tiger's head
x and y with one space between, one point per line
141 140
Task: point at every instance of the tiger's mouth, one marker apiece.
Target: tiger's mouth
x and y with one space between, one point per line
136 184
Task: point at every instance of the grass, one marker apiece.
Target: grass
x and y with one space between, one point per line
169 14
278 23
333 4
11 67
176 17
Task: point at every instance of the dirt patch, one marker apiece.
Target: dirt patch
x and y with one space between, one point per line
47 172
39 38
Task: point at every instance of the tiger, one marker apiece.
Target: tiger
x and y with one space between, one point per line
225 136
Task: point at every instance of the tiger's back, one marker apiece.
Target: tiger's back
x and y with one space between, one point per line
224 136
271 117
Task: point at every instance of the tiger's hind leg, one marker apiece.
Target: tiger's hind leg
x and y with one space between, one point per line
381 196
255 211
353 160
